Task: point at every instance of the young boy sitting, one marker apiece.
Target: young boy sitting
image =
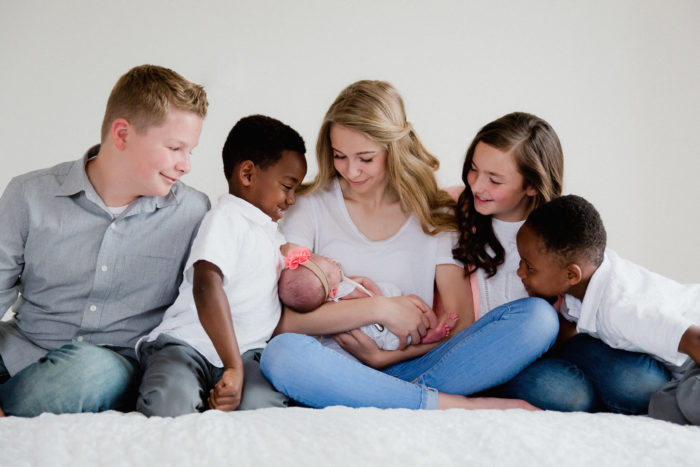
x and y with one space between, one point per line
320 279
562 251
96 248
206 351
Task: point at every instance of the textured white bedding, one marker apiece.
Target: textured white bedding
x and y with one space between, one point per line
342 436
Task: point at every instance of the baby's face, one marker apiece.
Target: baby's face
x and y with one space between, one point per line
330 268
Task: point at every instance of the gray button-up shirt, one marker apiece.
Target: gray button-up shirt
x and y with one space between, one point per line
83 275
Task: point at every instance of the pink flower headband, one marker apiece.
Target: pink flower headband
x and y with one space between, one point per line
301 256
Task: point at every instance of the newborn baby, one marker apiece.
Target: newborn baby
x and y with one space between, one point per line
309 280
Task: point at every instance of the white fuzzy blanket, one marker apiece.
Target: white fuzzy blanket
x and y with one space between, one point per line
340 436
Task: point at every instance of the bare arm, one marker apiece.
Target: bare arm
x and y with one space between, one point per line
215 315
455 294
366 350
404 316
690 343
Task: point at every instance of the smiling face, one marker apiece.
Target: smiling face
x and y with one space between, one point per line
155 158
497 185
273 189
542 272
359 160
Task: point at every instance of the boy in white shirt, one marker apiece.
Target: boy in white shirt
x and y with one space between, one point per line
206 351
562 251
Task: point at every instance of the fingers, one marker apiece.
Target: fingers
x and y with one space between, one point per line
223 402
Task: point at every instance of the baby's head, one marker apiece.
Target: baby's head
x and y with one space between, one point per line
561 244
308 280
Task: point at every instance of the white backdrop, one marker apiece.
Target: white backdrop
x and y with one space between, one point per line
618 80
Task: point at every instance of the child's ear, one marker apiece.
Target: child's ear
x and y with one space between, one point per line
573 274
530 191
118 132
246 171
333 292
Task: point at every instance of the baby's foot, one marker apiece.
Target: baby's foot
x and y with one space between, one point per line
441 330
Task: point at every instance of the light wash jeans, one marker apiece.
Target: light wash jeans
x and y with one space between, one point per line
589 376
72 379
489 352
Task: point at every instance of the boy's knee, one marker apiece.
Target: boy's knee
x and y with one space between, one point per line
72 379
688 399
161 402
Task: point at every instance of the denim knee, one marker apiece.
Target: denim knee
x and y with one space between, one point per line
280 358
543 325
72 379
624 381
552 384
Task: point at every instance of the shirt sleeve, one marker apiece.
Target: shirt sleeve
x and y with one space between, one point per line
217 242
299 223
446 241
13 235
642 328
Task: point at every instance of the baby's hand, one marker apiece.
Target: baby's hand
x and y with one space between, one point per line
226 394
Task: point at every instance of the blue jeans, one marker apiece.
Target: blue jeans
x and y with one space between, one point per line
74 378
489 352
589 376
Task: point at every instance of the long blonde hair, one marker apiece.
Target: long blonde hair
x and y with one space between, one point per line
375 109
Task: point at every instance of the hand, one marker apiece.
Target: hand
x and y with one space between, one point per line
361 346
226 394
407 316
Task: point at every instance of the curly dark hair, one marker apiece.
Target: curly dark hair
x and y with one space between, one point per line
260 139
540 160
571 228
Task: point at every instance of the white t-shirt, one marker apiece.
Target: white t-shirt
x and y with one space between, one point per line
245 244
321 222
505 286
631 308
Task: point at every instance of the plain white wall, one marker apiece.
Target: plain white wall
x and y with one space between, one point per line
618 80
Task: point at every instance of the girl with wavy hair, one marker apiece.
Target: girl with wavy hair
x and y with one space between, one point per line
375 207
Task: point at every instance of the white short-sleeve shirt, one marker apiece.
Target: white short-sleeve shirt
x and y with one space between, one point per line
245 244
631 308
321 222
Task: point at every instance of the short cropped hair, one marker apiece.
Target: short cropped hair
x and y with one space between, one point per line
301 289
145 94
571 228
260 139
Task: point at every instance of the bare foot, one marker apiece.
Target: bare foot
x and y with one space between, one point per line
454 401
440 331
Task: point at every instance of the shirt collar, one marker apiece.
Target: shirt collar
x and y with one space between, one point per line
76 181
248 210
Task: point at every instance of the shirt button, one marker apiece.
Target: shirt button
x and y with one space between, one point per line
104 268
113 225
80 338
93 308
